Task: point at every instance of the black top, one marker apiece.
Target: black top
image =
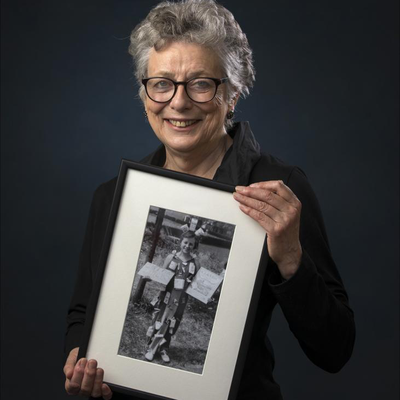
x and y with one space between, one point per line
313 301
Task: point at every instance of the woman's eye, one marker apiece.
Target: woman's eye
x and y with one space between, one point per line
202 84
162 84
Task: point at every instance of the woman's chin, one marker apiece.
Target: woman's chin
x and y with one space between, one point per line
183 145
183 141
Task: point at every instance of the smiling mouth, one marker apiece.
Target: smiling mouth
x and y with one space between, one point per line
182 124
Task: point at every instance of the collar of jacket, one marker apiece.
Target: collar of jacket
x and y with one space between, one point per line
238 161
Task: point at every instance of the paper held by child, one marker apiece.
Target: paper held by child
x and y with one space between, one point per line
204 285
156 273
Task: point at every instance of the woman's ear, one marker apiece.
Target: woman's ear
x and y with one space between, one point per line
233 102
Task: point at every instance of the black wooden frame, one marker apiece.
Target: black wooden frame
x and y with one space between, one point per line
91 310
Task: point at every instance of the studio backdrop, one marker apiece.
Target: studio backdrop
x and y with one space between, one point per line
325 99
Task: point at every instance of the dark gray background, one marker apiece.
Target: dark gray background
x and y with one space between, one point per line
326 99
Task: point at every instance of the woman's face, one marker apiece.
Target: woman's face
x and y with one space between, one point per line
181 62
187 245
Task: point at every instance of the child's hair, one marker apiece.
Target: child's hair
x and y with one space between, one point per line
188 235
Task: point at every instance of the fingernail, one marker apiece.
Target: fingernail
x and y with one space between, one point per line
240 188
236 196
92 364
82 362
254 185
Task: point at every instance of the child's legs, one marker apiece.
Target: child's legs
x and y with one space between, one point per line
171 331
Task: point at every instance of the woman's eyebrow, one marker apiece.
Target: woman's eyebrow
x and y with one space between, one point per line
166 74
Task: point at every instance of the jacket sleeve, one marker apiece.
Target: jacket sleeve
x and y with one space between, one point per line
314 300
83 287
88 263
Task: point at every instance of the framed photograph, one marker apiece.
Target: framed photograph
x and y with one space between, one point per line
178 283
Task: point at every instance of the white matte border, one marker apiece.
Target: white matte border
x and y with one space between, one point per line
142 189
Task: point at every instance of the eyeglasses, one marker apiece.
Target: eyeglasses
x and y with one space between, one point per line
200 90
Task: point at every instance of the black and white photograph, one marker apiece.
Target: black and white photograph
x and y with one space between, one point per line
178 281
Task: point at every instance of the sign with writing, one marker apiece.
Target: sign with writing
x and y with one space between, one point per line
156 273
204 285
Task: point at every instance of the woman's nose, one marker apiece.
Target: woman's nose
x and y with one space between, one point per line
181 101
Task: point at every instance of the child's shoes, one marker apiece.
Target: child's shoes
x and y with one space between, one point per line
164 356
149 356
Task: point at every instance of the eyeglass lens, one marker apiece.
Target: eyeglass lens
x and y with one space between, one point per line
199 89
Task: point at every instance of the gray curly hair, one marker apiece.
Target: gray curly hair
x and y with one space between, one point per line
203 22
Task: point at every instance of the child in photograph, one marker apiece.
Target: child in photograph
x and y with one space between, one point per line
170 304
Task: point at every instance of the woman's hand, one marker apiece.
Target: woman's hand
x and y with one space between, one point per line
276 208
84 378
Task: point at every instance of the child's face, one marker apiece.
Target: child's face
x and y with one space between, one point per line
187 245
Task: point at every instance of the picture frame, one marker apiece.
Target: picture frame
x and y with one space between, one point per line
152 209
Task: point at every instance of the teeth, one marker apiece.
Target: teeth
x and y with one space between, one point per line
181 123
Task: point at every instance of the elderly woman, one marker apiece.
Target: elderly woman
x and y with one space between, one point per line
193 62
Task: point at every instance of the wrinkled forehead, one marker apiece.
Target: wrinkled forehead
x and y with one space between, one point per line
181 61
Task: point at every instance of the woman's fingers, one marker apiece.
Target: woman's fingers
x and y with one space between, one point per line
264 220
265 195
262 208
73 386
88 378
84 378
279 188
276 208
70 363
98 382
272 198
106 392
